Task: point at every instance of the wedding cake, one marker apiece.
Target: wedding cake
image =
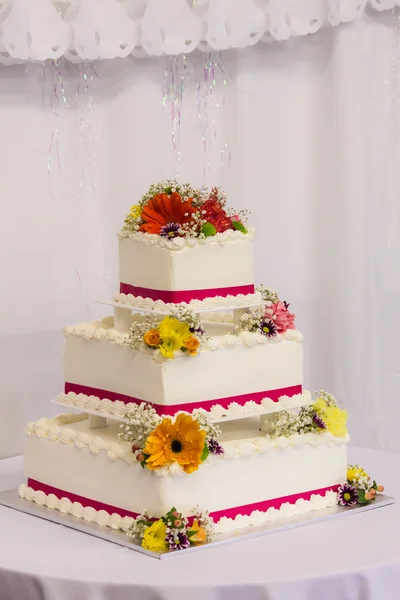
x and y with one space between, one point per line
190 414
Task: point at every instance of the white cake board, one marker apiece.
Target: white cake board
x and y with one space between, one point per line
12 500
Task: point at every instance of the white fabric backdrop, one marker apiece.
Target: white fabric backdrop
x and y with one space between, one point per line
309 126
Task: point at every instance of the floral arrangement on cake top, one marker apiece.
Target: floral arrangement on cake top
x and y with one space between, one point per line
172 531
180 331
171 209
269 318
323 415
170 445
359 489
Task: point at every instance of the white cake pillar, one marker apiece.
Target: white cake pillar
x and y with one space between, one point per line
237 313
122 318
267 423
96 422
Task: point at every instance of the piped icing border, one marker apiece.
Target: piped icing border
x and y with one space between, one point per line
225 520
118 409
56 430
104 331
210 303
179 243
221 404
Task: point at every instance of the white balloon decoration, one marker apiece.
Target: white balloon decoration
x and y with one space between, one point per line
33 29
85 30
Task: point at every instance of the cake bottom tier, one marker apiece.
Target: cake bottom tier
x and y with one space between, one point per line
88 474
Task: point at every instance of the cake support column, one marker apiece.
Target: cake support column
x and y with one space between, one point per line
122 318
96 422
237 313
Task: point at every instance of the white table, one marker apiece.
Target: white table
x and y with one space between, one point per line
356 557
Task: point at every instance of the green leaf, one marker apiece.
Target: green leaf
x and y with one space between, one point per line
145 457
239 226
361 498
205 452
208 229
191 532
168 190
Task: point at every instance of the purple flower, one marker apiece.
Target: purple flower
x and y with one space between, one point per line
214 447
177 540
268 328
347 495
199 330
170 230
286 304
318 421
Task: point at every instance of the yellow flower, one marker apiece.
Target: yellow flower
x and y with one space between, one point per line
169 344
181 441
200 536
170 326
191 345
319 405
174 334
152 338
136 211
354 473
154 536
335 420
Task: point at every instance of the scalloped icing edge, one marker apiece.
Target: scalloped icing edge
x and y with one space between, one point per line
179 243
117 408
94 331
217 302
65 506
285 511
224 525
50 429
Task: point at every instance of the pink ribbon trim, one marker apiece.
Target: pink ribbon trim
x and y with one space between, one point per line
184 295
256 397
229 513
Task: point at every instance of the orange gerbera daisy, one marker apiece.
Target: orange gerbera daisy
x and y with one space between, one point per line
181 442
163 209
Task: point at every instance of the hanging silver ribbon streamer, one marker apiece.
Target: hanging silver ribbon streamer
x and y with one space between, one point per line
212 85
175 84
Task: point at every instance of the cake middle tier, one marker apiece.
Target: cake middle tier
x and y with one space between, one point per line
230 368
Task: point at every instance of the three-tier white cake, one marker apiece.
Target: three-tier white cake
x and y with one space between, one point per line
192 394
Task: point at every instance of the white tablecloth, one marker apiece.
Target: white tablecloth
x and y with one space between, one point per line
353 558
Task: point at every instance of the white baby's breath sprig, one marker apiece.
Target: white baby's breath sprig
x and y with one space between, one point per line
205 521
139 525
139 327
142 419
268 295
250 320
329 399
287 423
203 418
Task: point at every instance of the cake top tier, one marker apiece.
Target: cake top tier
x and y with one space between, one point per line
181 245
172 210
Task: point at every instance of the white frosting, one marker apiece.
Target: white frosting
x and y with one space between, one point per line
55 430
72 457
286 511
117 409
92 440
103 330
104 407
149 261
65 506
100 357
216 302
224 525
179 243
